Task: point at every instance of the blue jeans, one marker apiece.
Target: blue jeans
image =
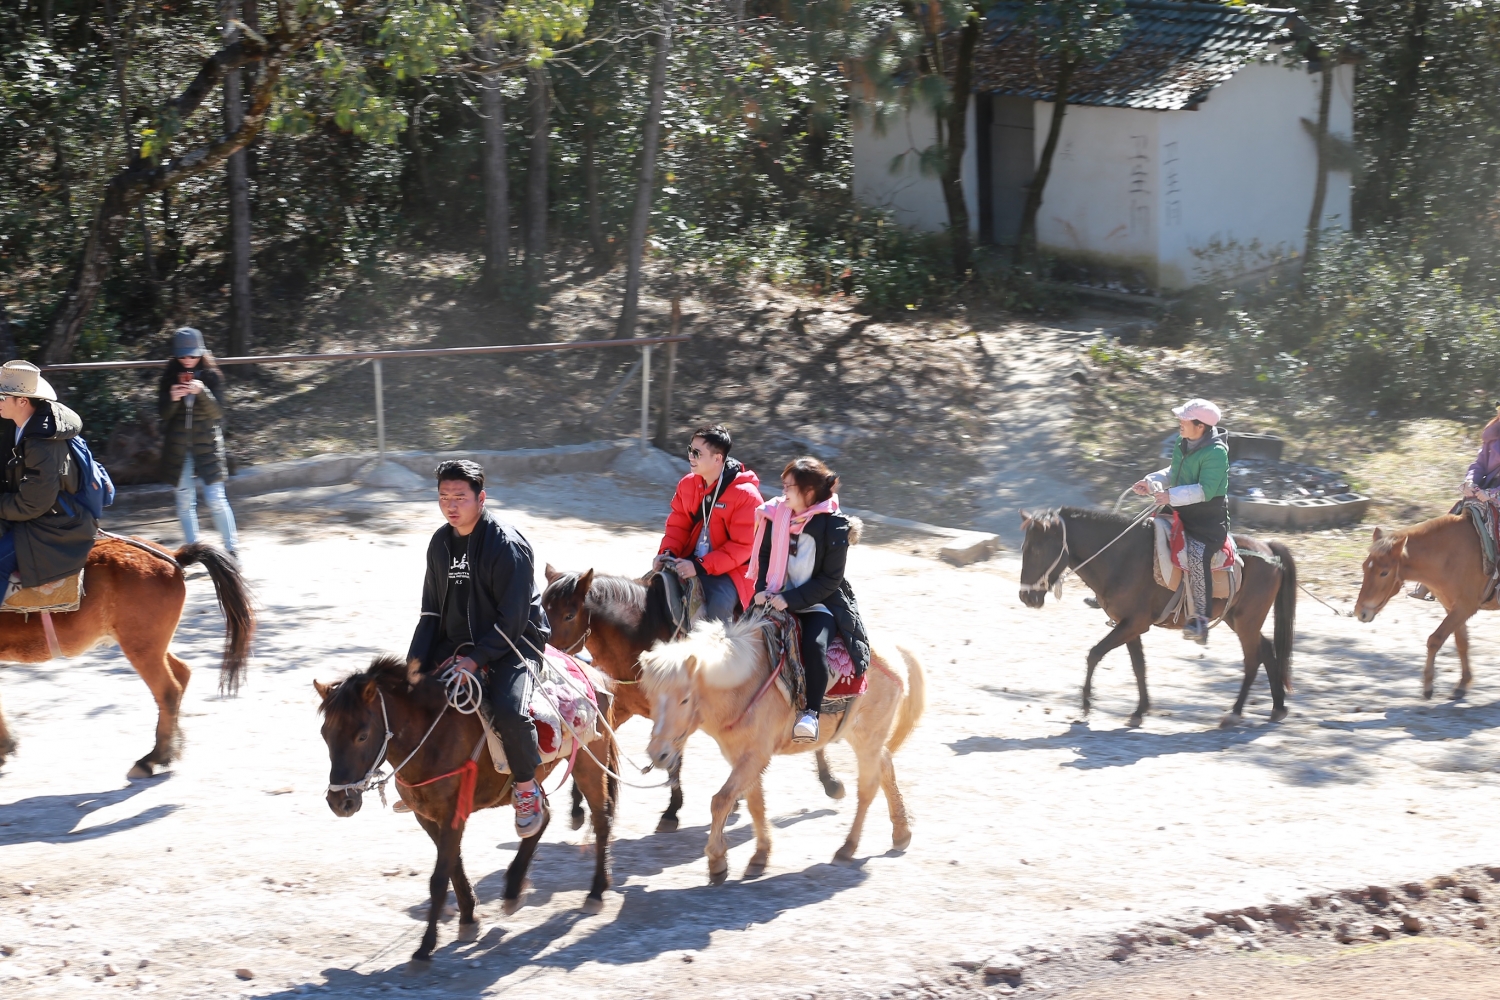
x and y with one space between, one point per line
719 596
218 508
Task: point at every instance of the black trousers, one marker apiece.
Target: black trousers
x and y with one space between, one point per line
818 630
508 689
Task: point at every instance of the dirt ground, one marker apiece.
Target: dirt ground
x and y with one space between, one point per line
1046 846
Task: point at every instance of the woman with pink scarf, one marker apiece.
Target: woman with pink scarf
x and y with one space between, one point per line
801 569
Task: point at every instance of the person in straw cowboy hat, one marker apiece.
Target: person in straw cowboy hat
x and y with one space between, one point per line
1196 486
45 537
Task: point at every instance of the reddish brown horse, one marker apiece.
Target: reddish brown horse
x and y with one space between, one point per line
134 592
1443 554
387 698
617 619
1113 557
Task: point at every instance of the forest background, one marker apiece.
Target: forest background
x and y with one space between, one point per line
505 152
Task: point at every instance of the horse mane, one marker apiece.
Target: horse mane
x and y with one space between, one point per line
1086 515
726 656
388 671
624 601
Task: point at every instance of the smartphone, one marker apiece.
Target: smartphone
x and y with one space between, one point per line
184 377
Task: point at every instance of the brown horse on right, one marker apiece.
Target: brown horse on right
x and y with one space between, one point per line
1443 555
617 619
134 592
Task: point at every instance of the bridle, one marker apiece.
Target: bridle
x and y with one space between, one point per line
1056 585
588 630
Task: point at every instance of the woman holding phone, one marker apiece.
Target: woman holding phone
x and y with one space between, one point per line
191 401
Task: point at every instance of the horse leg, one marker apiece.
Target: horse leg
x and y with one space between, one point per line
668 821
1275 676
717 851
868 781
900 818
448 842
515 875
755 801
832 787
575 817
595 785
463 891
1138 664
1461 643
156 667
1115 638
1445 628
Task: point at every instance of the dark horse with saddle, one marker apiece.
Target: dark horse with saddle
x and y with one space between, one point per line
1113 554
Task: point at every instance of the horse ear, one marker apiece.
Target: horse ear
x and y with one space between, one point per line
690 665
1025 519
324 690
1379 534
551 573
584 582
369 692
1398 543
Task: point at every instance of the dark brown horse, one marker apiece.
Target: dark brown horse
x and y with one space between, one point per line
1121 578
133 594
1444 555
617 619
357 713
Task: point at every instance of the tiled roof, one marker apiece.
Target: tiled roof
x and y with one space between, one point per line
1172 56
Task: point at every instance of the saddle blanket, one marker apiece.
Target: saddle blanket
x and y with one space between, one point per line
784 645
54 597
1167 564
564 693
1487 524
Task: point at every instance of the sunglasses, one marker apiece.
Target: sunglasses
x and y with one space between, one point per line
695 453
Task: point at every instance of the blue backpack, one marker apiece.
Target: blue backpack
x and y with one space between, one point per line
97 490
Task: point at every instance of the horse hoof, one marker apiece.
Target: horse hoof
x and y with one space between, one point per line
510 906
468 930
757 866
1427 694
593 906
421 962
834 789
846 853
576 820
901 841
667 824
1278 714
1134 722
1459 694
1230 719
140 770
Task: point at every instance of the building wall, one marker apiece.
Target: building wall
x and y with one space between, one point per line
915 200
1100 205
1237 175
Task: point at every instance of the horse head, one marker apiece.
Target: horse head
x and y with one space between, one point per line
669 675
1043 555
355 721
1382 569
563 601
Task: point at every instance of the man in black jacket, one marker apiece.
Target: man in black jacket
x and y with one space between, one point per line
480 600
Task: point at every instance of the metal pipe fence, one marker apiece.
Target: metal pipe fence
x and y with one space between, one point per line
377 358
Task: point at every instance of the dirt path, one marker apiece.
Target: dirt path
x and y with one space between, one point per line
1037 835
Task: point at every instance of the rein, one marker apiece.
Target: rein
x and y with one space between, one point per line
1056 585
770 679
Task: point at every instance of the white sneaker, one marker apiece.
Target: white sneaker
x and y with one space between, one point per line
806 729
531 812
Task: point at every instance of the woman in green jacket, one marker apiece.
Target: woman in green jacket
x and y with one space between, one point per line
1196 486
191 401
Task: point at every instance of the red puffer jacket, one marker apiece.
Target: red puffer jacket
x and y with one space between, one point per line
731 525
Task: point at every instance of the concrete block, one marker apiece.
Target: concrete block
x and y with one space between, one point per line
969 547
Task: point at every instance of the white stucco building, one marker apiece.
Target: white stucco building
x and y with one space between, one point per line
1191 147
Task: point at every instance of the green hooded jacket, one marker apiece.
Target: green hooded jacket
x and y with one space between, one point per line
1207 466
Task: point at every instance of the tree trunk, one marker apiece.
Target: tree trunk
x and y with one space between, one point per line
142 177
496 180
241 314
121 57
958 143
640 218
1379 202
7 337
1320 183
597 243
1026 238
536 179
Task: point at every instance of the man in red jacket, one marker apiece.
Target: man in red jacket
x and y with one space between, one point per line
712 524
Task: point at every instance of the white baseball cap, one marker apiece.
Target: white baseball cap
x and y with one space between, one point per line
1200 410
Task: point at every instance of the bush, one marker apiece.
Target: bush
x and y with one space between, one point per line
1375 324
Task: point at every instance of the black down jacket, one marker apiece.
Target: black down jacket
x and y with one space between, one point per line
54 535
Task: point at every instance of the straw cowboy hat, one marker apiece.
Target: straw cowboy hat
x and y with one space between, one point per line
22 378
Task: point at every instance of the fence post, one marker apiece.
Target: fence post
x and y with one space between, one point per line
645 396
664 418
379 410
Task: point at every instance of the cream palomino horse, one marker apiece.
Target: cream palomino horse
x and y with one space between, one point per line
710 681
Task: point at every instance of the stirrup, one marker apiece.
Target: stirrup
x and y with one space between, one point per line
806 729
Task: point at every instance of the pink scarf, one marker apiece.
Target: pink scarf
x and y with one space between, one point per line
784 524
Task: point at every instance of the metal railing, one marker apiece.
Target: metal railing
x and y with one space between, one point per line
378 357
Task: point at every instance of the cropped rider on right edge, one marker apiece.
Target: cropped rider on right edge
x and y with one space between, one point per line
1196 486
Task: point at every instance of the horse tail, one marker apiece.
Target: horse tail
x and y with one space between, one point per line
913 704
1286 612
234 600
